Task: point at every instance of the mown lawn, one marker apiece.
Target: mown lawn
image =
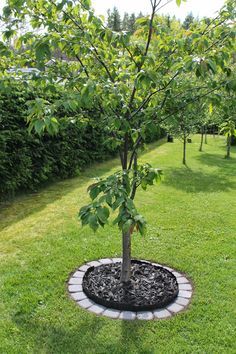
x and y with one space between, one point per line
192 227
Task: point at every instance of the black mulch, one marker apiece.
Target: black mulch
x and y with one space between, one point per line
150 287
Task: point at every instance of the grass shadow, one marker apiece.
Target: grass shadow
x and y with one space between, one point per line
86 338
226 167
198 181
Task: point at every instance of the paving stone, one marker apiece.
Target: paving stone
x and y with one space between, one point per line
144 260
158 265
185 293
175 307
74 288
182 301
78 274
185 287
116 260
182 280
76 281
94 264
127 315
79 296
98 309
145 315
177 275
105 261
168 268
161 313
86 303
84 268
111 313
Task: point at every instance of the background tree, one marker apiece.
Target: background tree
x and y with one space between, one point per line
125 22
132 20
228 129
114 20
189 20
182 125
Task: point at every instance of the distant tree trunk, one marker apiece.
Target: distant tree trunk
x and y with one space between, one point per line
184 150
126 262
202 136
205 135
228 146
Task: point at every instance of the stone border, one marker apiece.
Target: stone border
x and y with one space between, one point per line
76 292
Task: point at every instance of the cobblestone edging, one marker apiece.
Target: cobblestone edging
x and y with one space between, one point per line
180 303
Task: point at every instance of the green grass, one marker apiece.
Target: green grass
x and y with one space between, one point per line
192 227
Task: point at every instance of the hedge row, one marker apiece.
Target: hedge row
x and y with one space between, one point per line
27 160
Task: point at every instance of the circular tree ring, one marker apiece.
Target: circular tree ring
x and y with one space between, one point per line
162 292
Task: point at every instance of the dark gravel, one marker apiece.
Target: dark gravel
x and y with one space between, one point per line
150 287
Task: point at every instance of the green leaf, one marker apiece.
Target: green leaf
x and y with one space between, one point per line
210 108
117 203
103 214
143 21
134 136
178 2
42 51
93 222
212 66
39 126
94 191
109 199
127 225
142 228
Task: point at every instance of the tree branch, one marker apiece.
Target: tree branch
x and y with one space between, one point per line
153 93
94 51
154 6
138 141
82 64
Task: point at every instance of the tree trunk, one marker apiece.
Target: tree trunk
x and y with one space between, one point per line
126 262
202 136
228 146
184 151
126 236
205 135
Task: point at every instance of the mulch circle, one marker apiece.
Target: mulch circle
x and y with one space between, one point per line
150 286
155 291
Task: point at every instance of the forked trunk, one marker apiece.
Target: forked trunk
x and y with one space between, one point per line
126 261
184 151
228 146
202 136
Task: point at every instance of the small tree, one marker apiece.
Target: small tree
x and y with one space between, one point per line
228 129
128 81
182 125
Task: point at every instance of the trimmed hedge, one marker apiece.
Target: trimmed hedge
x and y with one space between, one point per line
27 160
